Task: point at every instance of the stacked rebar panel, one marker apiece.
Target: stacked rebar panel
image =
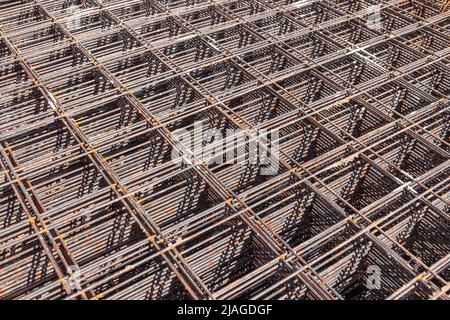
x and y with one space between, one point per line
93 92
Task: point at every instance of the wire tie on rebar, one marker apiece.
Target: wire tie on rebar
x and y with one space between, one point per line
210 99
283 257
63 282
152 238
296 171
98 296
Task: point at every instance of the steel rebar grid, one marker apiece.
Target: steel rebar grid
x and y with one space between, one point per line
93 93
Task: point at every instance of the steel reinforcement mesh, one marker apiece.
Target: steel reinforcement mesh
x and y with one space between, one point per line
92 206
